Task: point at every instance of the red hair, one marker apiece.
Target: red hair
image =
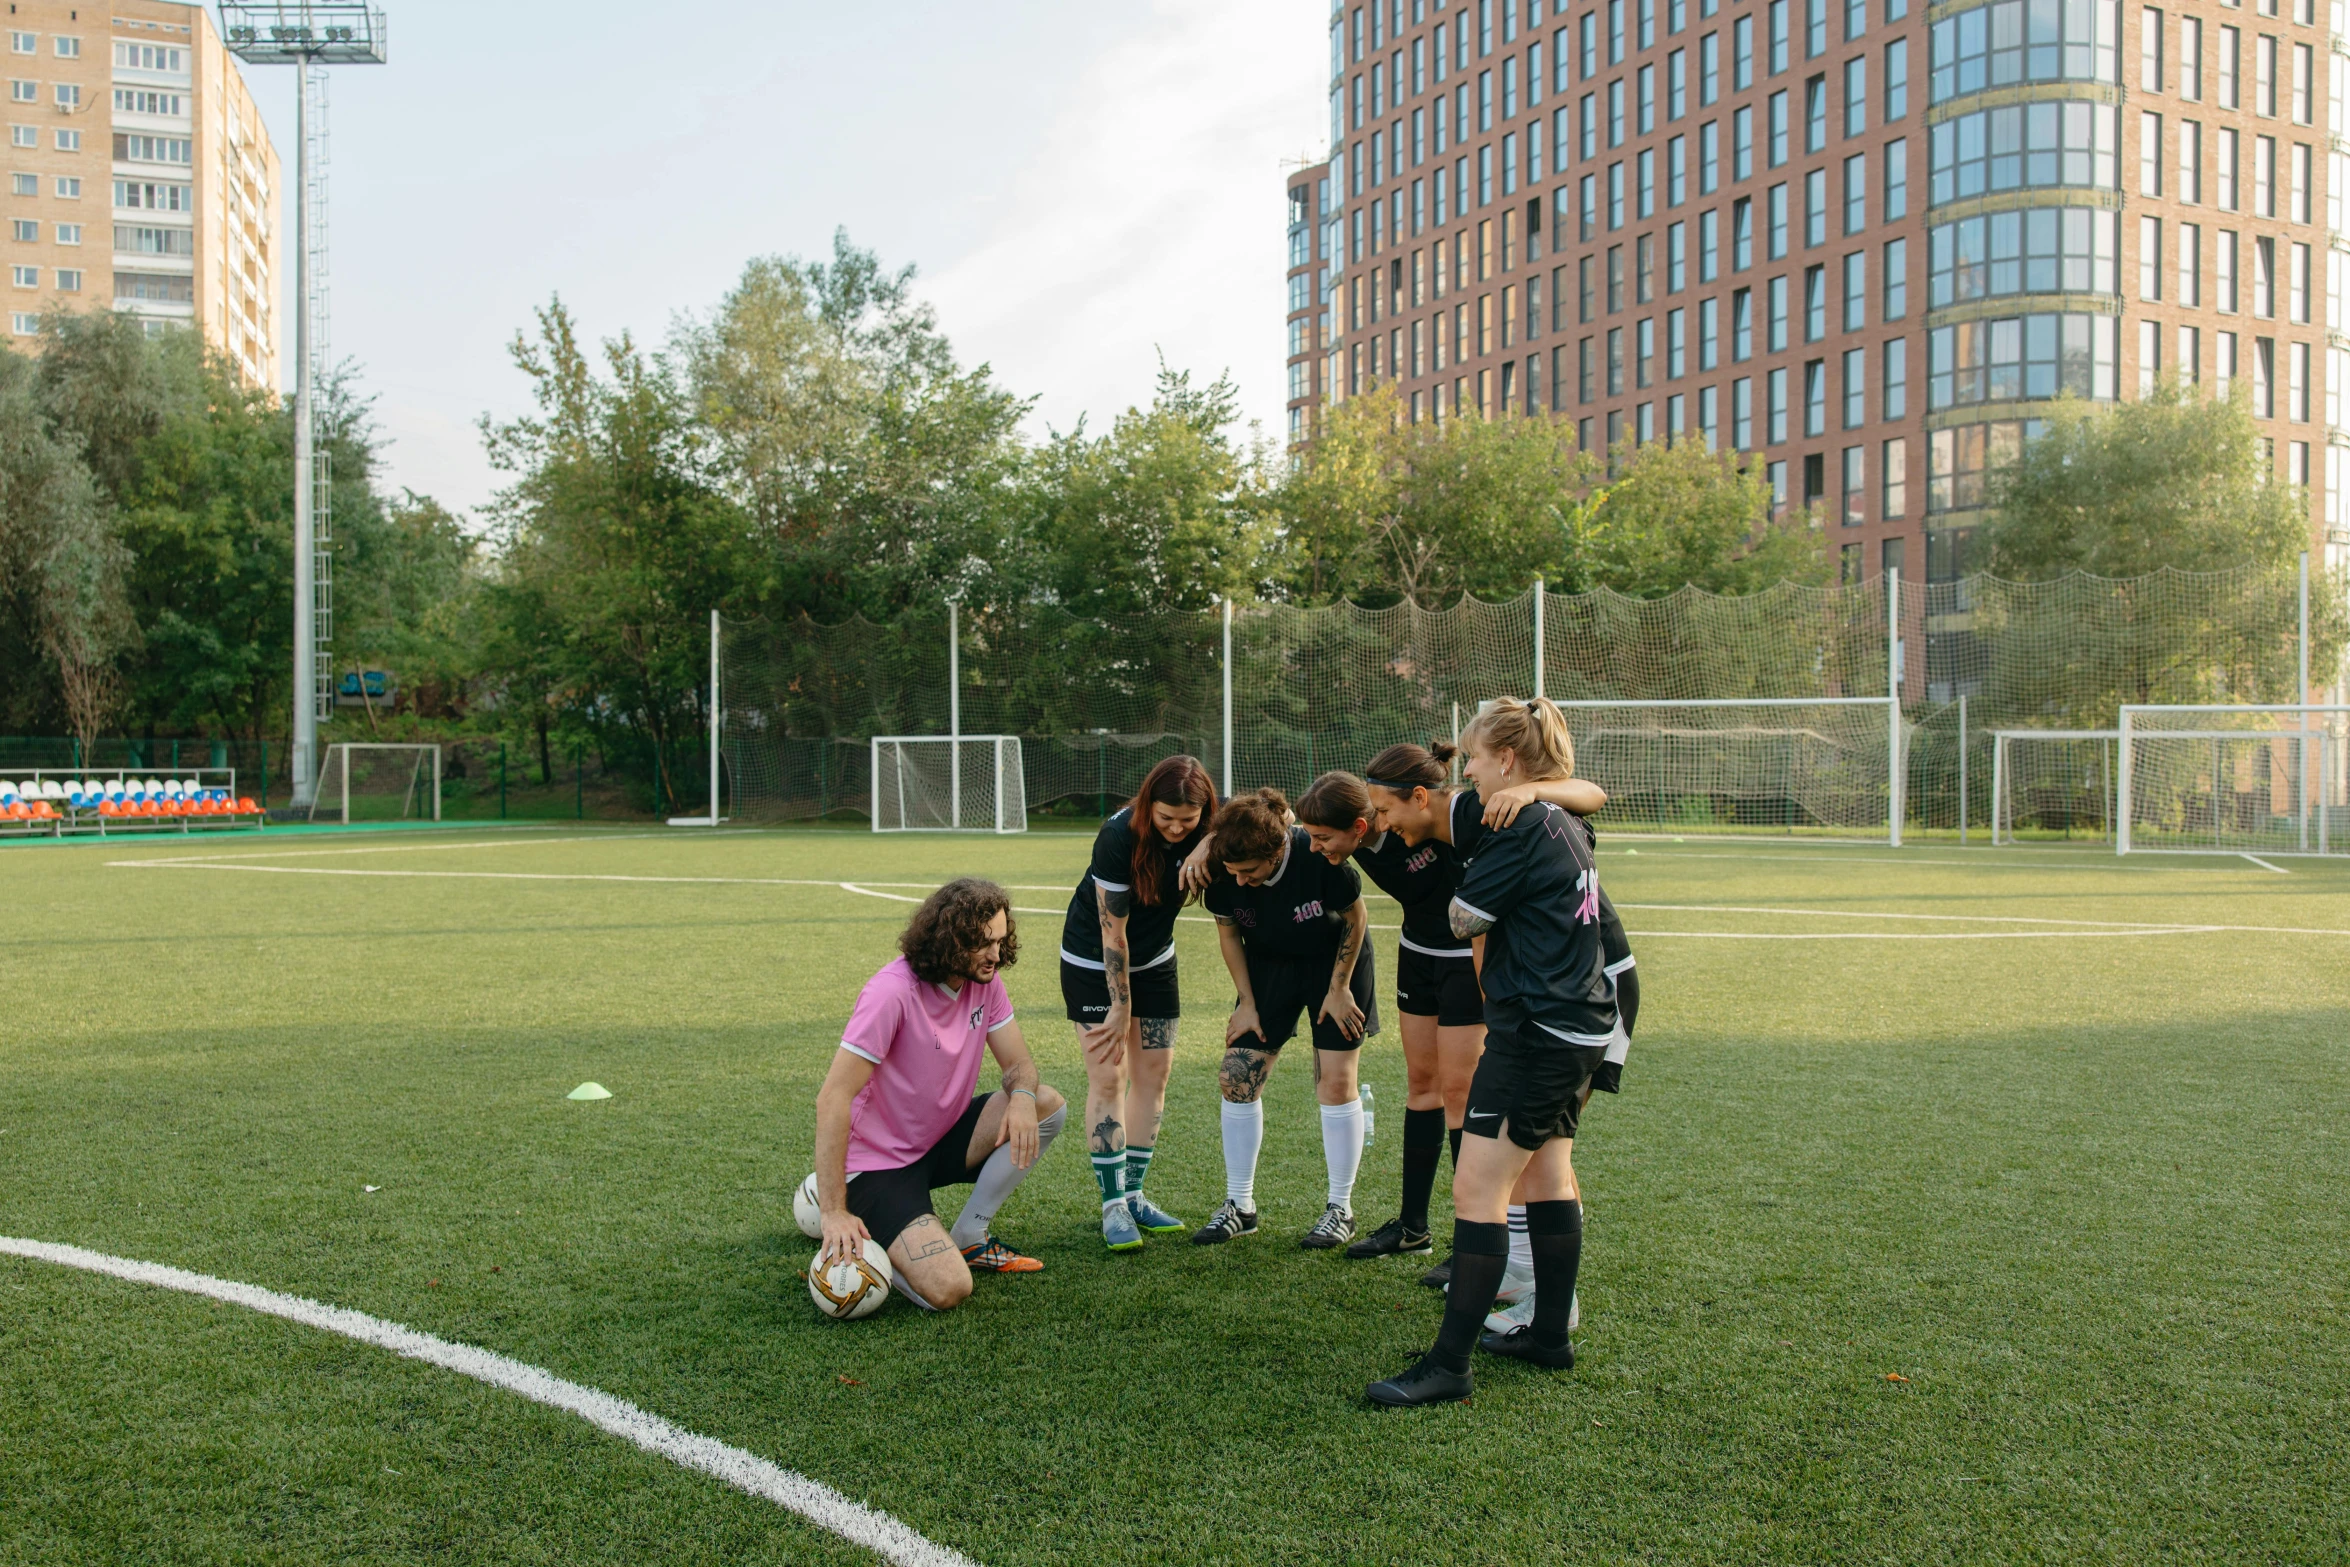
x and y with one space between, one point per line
1176 780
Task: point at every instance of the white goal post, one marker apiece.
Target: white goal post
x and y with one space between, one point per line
2233 778
943 783
374 781
2021 769
1745 763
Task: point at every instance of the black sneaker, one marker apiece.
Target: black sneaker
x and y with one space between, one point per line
1520 1344
1228 1222
1426 1383
1335 1228
1392 1239
1440 1276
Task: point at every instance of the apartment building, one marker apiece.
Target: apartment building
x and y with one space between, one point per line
1863 240
140 176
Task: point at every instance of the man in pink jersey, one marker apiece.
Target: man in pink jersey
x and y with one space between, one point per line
896 1118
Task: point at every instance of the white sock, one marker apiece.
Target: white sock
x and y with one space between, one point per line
1342 1149
908 1290
998 1179
1244 1134
1521 1244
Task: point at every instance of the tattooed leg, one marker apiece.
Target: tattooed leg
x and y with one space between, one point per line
928 1267
1107 1143
1243 1073
1146 1103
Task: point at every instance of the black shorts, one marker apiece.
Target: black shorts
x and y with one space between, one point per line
1289 988
889 1200
1087 992
1533 1085
1443 988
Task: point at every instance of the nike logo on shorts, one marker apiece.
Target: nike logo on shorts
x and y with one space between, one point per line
1483 1115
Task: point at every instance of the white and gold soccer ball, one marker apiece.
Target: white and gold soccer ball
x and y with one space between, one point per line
849 1290
804 1209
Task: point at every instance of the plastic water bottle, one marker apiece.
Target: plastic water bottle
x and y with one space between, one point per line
1370 1120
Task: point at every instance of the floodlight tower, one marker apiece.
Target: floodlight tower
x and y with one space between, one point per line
312 35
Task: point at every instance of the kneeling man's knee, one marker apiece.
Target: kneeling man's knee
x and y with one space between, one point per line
1048 1100
950 1292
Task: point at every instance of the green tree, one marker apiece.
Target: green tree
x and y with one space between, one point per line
1681 515
2172 478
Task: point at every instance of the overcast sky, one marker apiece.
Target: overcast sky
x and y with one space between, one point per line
1083 184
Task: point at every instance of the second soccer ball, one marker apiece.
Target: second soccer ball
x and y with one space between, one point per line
805 1210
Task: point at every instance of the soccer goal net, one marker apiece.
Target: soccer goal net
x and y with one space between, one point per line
2241 779
2053 783
931 783
1826 765
371 782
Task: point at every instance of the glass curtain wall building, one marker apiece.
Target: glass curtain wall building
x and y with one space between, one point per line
1865 241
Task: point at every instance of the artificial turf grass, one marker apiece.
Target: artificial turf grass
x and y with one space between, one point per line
1940 1159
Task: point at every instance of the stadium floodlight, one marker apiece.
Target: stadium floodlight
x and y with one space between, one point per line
2233 778
948 783
309 34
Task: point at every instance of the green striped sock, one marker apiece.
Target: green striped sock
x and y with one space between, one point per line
1110 1170
1138 1165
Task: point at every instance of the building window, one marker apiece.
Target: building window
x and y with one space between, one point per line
1896 180
2150 258
129 240
25 277
1893 472
2022 146
1856 95
23 136
1856 193
1777 340
69 186
2190 162
24 184
1856 400
1894 400
69 141
2149 154
2032 356
1896 80
2297 382
71 234
1742 414
2149 356
1775 394
1856 303
68 95
2149 50
1896 279
1855 486
25 230
24 92
1815 304
24 43
1993 46
2190 360
69 280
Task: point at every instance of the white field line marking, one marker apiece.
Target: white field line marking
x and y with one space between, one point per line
811 1499
1877 914
1934 935
391 848
2264 865
864 889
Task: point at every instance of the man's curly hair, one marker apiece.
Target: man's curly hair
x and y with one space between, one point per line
952 924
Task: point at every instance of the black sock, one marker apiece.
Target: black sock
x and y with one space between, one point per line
1479 1253
1455 1135
1423 1146
1555 1230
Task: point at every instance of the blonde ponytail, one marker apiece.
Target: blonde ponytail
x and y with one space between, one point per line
1536 732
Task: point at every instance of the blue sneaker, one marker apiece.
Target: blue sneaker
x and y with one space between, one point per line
1118 1231
1153 1218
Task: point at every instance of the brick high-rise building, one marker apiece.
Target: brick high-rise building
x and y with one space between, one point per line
1864 240
139 176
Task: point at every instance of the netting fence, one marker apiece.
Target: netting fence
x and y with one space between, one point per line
1300 690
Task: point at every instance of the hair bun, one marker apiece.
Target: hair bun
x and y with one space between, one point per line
1443 751
1274 799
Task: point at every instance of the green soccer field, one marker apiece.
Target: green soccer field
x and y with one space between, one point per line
1960 1206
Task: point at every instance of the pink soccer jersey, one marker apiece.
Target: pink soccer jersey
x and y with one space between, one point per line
925 1043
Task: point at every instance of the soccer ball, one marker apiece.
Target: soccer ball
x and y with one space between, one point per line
849 1290
805 1210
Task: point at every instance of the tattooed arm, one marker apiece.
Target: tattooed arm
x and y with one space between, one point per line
1010 1050
1467 922
1340 1005
1105 1039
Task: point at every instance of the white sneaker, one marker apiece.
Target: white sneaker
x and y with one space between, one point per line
1521 1314
1516 1284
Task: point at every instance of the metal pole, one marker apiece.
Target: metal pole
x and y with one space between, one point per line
1962 769
954 715
305 567
1894 780
1538 636
2301 747
1227 698
2121 810
1998 783
714 695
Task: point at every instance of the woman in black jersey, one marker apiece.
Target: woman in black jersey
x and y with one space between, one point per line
1290 924
1396 825
1532 891
1118 979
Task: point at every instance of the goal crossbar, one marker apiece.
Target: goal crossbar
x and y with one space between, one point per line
1896 733
2142 722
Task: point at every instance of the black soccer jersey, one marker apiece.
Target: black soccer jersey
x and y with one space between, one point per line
1150 927
1545 966
1299 913
1614 945
1422 877
1468 823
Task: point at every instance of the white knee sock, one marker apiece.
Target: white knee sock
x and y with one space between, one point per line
1521 1245
1342 1149
998 1179
1244 1134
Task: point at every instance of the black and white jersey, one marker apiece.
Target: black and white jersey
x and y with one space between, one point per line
1536 884
1150 927
1422 877
1299 913
1614 944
